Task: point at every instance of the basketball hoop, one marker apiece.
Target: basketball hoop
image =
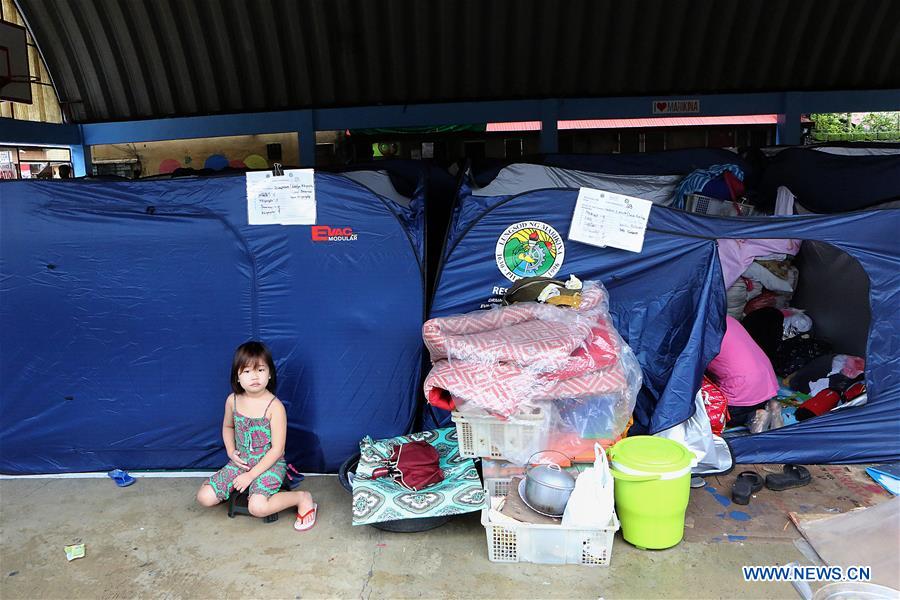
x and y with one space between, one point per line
15 72
5 76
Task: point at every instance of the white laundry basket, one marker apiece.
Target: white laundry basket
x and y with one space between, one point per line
545 544
490 437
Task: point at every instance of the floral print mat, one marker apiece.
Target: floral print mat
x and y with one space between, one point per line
379 500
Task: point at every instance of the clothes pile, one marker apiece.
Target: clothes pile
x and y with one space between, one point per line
552 348
721 182
758 273
761 279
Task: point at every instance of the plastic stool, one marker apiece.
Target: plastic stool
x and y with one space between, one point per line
237 505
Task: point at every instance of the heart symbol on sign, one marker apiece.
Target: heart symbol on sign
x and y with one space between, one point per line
661 106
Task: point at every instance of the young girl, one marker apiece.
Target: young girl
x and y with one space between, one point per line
254 432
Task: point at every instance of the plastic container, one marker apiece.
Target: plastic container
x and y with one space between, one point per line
705 205
497 487
545 544
653 484
490 437
855 590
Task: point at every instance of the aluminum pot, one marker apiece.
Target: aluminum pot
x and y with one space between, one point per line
547 488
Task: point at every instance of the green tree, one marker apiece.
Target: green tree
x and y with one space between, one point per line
880 121
831 123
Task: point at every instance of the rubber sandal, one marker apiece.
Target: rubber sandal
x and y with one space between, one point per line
746 484
819 404
793 476
854 391
121 478
300 524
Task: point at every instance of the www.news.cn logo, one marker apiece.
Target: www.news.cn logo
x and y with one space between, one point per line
806 573
326 233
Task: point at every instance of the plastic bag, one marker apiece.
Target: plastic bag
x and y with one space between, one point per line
548 377
712 452
530 354
716 405
591 503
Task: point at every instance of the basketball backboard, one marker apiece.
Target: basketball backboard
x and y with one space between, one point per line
15 76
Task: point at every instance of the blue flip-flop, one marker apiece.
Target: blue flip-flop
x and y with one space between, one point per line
121 478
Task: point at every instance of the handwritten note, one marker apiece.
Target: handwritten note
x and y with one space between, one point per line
608 219
288 199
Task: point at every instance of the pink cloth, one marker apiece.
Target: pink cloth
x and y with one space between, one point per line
849 366
744 372
501 358
501 388
513 332
737 255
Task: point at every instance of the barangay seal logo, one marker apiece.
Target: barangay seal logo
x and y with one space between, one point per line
529 249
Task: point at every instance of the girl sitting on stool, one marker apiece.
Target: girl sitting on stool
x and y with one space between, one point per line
254 431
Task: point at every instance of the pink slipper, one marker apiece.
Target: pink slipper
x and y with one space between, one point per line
307 519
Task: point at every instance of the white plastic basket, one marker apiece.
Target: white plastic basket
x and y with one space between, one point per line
710 206
497 487
545 544
490 437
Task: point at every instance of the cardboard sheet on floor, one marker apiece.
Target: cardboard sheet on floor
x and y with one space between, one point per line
834 489
861 537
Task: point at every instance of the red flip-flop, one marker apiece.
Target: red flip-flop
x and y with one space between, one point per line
306 521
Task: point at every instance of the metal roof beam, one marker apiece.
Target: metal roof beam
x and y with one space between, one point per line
479 112
35 133
155 130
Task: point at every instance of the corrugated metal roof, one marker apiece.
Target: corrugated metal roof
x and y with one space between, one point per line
125 60
631 123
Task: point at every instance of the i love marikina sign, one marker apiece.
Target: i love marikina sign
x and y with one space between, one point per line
670 107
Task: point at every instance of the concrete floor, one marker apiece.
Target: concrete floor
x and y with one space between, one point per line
151 540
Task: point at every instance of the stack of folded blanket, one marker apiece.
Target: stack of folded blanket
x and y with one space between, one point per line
507 358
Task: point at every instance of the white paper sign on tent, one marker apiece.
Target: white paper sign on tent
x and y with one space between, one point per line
288 199
604 219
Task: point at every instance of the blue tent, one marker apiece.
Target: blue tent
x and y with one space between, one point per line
668 303
666 162
832 183
440 192
122 303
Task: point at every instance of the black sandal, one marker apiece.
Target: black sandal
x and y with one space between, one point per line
746 484
793 476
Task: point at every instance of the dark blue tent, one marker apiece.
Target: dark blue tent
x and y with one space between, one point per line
666 162
122 303
668 303
440 193
832 183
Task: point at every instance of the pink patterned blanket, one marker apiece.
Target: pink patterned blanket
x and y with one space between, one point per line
502 388
510 331
501 358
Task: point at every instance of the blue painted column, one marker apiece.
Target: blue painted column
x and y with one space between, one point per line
307 139
81 160
788 130
549 141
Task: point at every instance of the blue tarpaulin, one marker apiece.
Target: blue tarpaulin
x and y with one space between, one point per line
668 303
121 304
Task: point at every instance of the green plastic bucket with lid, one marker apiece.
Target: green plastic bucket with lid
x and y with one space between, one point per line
653 484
